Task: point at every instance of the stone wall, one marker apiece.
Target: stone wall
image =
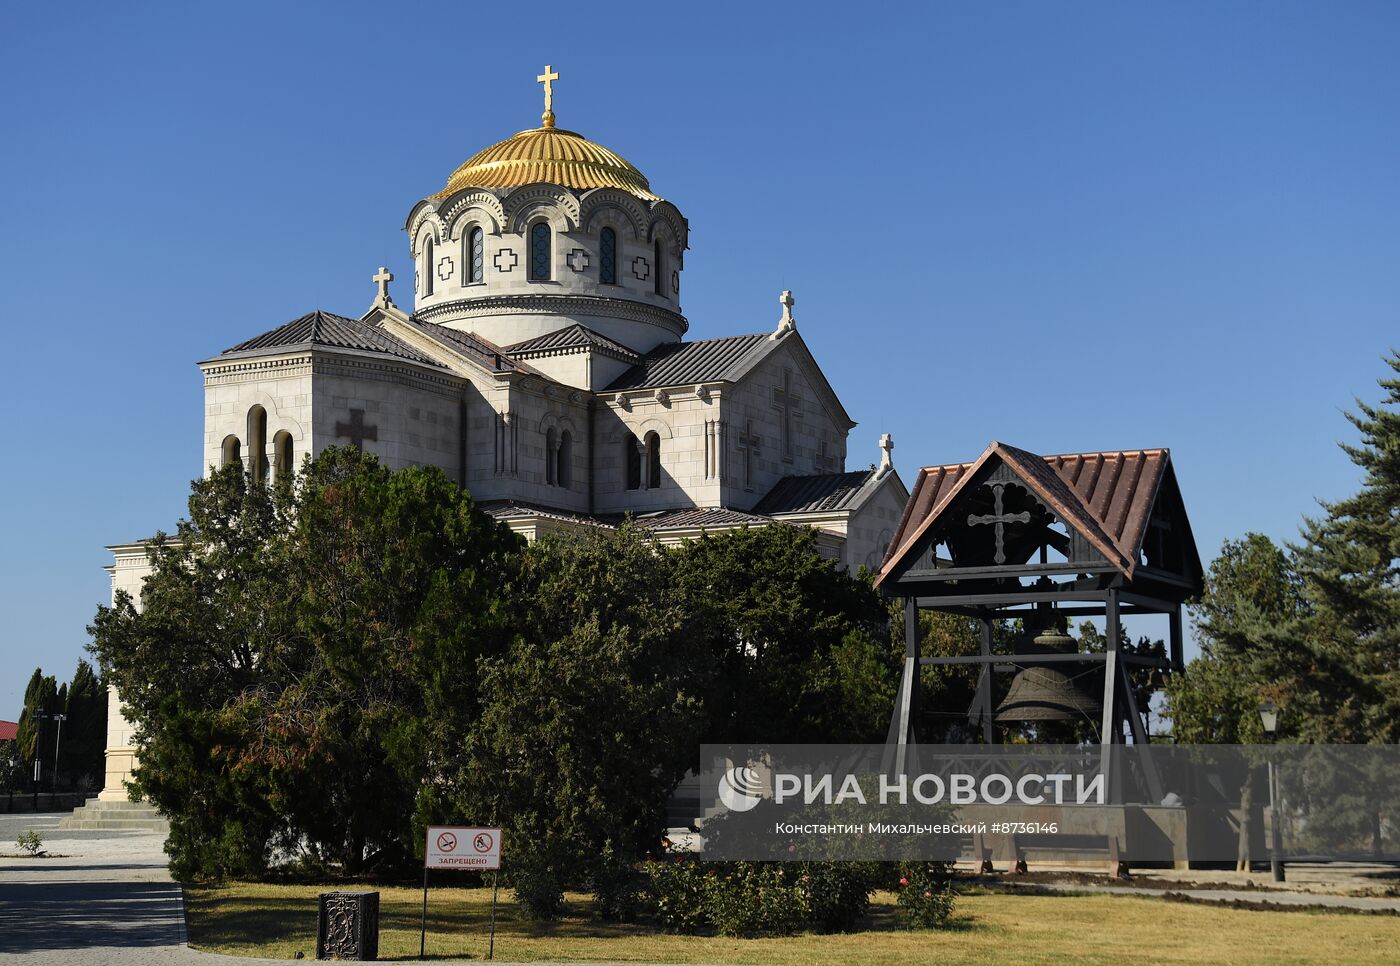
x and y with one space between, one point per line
128 569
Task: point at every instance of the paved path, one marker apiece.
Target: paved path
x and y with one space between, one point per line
100 898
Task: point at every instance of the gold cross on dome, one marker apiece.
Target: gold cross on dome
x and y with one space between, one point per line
547 79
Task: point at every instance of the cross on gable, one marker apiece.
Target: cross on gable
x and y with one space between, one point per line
382 279
1000 519
356 430
749 445
789 404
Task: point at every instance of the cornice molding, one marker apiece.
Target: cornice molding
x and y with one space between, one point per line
608 308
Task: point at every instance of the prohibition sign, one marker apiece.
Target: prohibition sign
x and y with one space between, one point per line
447 841
482 842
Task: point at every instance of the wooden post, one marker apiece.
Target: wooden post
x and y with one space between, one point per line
1140 737
901 733
912 648
1177 645
984 683
1108 733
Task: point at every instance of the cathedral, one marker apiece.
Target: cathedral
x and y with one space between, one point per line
544 365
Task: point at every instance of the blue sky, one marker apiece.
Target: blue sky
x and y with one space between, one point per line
1066 226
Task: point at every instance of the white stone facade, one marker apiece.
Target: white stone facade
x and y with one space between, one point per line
561 402
505 304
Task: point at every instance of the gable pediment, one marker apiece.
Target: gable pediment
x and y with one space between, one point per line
1013 513
790 350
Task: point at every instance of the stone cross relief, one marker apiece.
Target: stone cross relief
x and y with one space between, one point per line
1000 519
356 430
749 445
788 404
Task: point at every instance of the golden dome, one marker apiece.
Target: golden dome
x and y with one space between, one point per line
548 154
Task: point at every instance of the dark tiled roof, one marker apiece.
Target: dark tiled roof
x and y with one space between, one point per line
574 337
1108 496
812 494
469 346
320 328
699 517
515 510
680 363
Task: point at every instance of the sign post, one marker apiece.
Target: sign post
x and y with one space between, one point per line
461 847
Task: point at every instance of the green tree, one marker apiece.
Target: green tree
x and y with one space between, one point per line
1250 622
304 660
591 719
402 587
213 628
40 701
1349 562
11 770
803 647
81 757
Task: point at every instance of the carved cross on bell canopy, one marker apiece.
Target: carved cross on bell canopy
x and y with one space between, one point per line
999 518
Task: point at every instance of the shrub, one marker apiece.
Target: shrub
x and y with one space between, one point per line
747 899
539 889
31 841
755 899
925 895
837 893
616 889
676 886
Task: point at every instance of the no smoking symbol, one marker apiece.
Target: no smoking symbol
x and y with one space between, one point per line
447 842
482 842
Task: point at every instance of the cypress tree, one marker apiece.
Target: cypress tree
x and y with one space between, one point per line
40 698
1350 564
85 731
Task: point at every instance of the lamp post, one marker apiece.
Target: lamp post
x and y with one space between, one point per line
1268 717
58 720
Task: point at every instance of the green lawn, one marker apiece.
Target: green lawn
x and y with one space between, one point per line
277 921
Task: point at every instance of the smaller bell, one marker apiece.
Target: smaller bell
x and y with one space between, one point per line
1055 637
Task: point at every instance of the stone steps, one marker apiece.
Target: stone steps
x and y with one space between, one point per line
98 815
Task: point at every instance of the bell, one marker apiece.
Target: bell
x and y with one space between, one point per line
1056 638
1041 693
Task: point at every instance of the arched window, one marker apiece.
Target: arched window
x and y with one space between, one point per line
632 453
551 445
607 257
653 447
428 267
541 257
474 257
232 451
564 475
257 442
282 452
660 269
